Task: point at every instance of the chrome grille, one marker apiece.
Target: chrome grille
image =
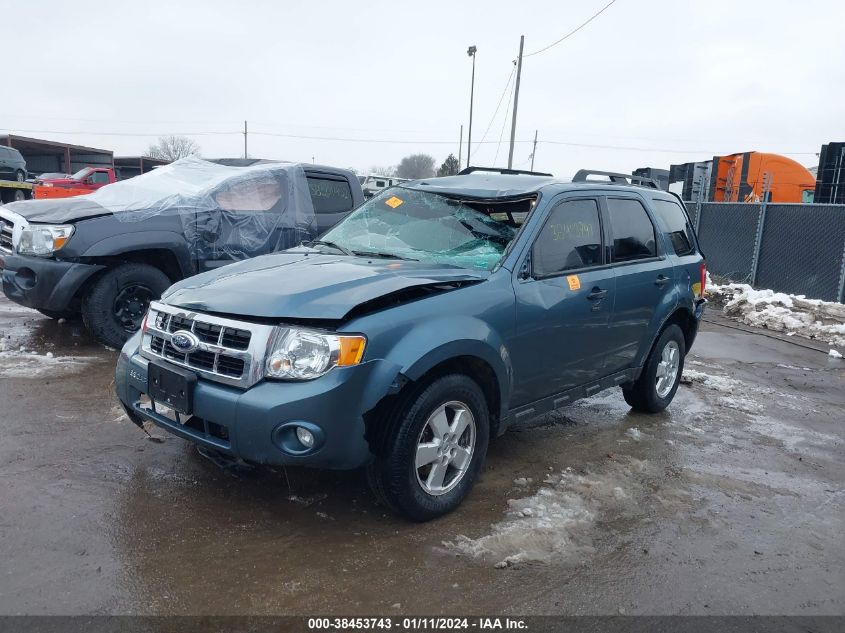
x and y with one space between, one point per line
6 228
229 351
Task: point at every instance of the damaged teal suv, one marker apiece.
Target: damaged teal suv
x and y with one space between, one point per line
429 320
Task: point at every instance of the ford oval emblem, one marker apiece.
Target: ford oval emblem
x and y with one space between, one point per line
184 341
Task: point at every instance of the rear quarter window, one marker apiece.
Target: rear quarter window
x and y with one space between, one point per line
675 225
632 230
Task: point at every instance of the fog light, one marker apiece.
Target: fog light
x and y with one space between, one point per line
305 437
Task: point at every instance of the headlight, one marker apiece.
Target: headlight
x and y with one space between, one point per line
43 239
297 354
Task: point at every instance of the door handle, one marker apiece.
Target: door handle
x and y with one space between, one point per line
596 294
661 281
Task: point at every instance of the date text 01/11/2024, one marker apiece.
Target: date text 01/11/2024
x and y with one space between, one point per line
416 624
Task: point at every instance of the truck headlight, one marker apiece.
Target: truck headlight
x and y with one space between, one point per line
297 354
44 239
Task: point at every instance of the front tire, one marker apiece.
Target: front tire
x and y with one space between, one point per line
20 176
115 306
656 386
434 451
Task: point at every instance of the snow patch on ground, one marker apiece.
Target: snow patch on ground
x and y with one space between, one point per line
13 308
634 433
723 384
555 523
780 312
834 354
27 364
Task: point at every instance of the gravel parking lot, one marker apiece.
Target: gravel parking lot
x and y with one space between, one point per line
731 502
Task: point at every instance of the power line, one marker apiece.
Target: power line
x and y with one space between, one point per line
402 141
128 133
573 31
504 123
498 105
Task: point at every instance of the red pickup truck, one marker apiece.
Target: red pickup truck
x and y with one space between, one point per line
84 181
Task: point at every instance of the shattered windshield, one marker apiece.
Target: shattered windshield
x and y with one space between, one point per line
411 224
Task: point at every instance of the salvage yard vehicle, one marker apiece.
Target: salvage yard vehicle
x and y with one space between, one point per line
426 322
14 191
108 254
83 182
12 164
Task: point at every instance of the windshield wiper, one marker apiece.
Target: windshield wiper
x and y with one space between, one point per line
338 247
383 255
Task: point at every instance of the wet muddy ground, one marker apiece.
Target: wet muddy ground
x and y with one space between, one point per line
731 502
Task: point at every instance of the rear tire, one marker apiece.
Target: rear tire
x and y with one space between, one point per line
20 176
434 451
655 388
115 305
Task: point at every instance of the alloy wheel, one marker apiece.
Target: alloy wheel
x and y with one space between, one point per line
445 448
667 368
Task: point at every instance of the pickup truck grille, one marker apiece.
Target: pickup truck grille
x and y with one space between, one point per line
229 351
6 228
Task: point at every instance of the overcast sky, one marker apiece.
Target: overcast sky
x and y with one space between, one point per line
666 81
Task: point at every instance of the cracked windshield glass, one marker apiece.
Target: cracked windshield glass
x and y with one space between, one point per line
418 225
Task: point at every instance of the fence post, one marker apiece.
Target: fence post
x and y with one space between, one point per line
698 209
755 262
842 278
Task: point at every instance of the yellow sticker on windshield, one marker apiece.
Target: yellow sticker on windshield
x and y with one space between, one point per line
393 202
574 282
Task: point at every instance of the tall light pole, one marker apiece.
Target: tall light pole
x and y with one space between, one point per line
471 52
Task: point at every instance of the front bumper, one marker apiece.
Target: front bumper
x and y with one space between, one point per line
251 424
43 283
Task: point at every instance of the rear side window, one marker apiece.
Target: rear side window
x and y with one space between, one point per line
632 230
571 239
676 226
330 196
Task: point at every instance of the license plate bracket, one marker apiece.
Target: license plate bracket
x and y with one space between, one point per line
172 386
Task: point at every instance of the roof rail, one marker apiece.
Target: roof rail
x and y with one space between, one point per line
502 170
616 178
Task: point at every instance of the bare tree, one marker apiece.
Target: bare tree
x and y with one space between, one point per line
382 170
416 166
450 166
173 148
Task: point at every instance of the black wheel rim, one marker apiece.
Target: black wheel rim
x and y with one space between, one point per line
130 305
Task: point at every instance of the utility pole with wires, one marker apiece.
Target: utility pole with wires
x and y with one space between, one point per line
516 99
534 151
460 145
246 154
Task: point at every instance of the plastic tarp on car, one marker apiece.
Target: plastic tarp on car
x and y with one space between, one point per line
235 212
225 212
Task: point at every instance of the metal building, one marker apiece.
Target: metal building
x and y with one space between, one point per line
53 156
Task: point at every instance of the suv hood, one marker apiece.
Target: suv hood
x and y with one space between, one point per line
312 285
58 210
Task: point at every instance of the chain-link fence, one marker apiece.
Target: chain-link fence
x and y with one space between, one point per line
794 248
